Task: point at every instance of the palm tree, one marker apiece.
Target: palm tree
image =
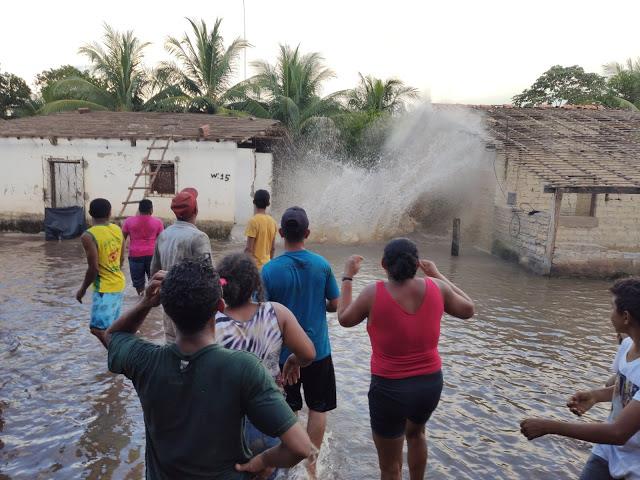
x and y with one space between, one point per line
374 95
624 82
117 66
205 69
289 91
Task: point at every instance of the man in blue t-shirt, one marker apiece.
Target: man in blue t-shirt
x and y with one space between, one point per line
303 282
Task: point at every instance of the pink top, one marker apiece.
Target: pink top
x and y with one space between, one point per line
405 344
143 231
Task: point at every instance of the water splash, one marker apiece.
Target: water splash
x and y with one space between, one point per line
432 157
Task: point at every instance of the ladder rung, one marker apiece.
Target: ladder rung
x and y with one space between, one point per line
142 174
137 188
131 201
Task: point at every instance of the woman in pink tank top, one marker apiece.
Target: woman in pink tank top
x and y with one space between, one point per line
403 323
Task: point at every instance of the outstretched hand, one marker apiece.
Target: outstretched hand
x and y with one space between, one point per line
581 402
152 291
533 428
352 265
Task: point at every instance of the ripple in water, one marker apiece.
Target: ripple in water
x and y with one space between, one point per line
533 342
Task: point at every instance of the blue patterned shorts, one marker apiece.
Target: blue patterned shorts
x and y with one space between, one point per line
105 309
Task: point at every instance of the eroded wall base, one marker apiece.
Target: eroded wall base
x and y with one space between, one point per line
31 223
21 222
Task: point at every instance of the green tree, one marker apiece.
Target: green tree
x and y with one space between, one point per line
380 96
46 78
289 91
560 85
116 64
15 95
624 82
202 78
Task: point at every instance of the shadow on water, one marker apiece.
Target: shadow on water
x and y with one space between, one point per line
533 342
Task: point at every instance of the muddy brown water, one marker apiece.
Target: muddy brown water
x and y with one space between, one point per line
533 342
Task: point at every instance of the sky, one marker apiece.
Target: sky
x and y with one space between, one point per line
456 51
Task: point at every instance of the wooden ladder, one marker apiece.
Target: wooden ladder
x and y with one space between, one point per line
146 171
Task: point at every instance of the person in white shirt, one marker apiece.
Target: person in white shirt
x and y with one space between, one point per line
616 454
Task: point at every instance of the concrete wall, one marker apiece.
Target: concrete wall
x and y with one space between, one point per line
605 244
254 172
521 230
218 170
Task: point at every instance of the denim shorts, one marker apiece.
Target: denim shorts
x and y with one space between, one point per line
596 468
140 269
258 442
105 309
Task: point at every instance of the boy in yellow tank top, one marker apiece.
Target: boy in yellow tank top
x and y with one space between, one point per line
103 244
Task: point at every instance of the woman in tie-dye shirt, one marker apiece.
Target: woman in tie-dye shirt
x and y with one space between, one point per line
260 328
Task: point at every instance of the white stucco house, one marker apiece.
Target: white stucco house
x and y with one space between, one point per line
66 159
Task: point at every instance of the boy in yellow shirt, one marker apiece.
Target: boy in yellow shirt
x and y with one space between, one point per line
261 230
103 243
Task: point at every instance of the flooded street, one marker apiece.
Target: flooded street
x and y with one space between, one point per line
533 342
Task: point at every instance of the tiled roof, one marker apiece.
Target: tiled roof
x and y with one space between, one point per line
140 125
570 147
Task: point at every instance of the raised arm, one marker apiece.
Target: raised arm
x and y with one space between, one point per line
351 313
456 301
91 250
619 432
130 321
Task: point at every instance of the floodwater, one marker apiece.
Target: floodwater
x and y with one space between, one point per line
533 342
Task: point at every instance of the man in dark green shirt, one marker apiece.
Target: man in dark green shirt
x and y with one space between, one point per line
195 394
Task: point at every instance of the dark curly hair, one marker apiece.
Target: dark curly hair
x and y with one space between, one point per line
100 208
242 277
401 259
190 293
627 297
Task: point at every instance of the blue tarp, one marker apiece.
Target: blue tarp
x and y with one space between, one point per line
65 223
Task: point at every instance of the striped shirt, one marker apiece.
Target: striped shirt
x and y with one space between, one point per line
260 335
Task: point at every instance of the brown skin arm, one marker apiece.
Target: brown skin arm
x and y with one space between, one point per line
456 302
91 250
295 446
250 247
351 313
294 337
616 433
132 319
272 253
332 305
580 402
296 340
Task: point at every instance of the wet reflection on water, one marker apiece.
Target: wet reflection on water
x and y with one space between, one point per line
533 342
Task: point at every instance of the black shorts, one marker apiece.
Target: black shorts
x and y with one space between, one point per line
394 401
319 383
